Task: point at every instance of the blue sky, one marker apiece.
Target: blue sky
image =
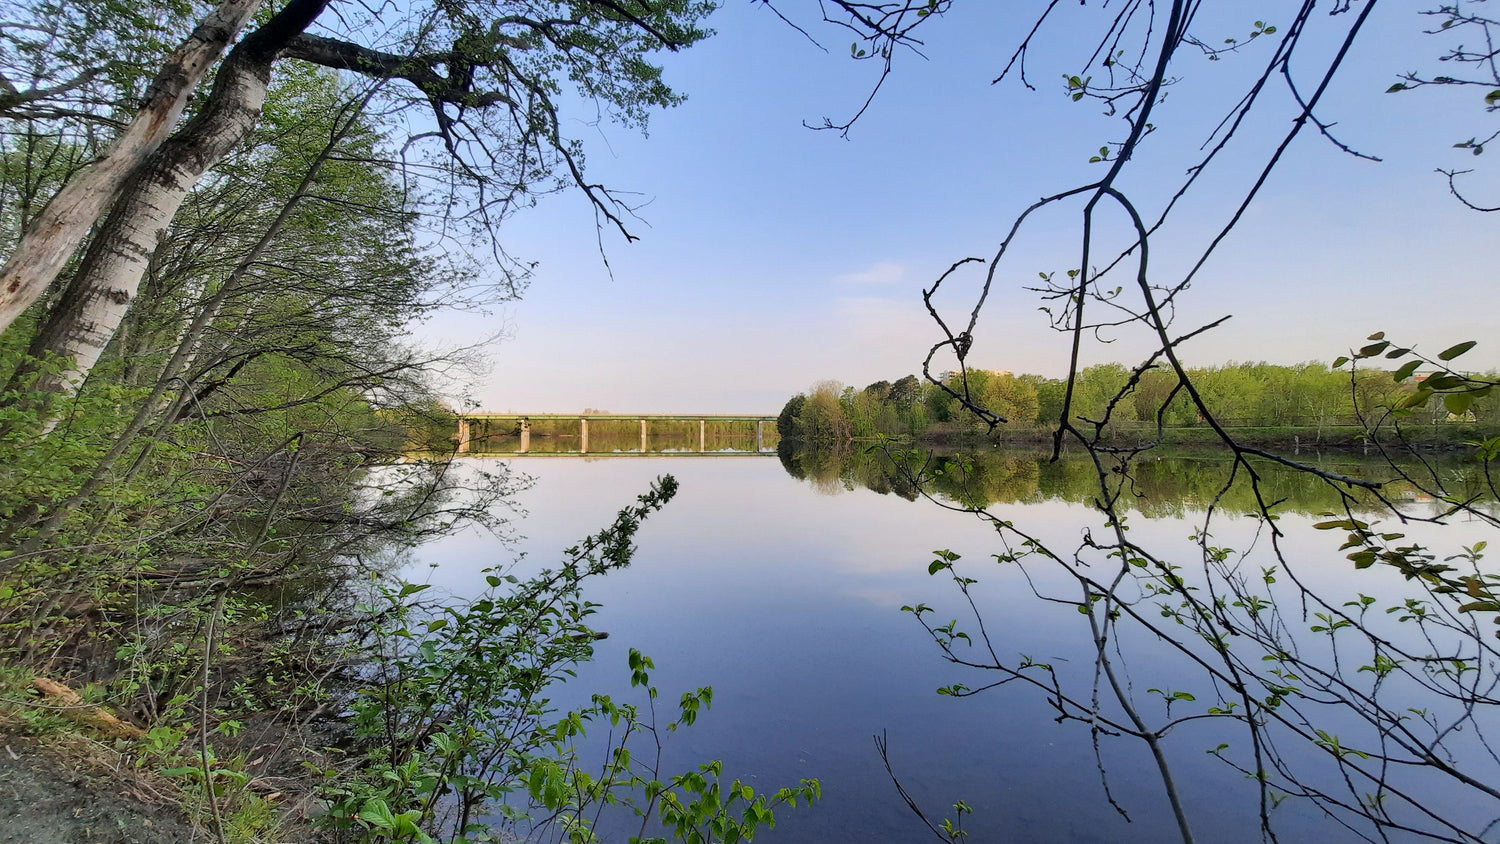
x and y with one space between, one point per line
772 256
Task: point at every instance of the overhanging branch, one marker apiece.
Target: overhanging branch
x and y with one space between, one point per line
419 70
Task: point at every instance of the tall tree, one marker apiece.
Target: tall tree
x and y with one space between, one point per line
276 313
54 235
488 77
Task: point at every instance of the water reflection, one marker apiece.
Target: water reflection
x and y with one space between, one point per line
780 583
1166 486
1254 599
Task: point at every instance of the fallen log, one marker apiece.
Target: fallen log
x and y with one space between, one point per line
84 714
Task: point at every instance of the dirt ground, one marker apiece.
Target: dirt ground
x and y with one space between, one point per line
48 798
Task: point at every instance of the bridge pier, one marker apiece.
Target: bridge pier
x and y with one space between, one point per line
503 423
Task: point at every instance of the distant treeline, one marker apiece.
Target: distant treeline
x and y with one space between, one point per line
1309 395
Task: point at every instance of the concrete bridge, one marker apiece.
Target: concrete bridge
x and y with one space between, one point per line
466 423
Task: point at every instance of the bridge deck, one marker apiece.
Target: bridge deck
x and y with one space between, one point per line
524 422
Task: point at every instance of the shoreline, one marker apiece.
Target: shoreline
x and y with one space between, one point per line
1345 438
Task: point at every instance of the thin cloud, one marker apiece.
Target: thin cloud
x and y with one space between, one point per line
885 272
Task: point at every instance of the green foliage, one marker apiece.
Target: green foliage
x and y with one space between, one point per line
789 421
297 369
461 739
270 464
1462 394
92 56
244 438
1319 400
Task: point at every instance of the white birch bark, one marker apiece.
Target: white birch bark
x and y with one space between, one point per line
95 302
57 231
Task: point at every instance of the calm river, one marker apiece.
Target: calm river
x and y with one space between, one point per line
784 593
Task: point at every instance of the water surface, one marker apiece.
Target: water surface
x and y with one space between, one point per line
784 594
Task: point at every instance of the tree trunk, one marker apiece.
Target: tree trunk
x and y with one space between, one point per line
55 234
90 309
188 345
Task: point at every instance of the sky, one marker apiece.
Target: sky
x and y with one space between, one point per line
772 256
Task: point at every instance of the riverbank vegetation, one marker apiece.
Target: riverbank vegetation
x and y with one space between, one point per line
217 443
181 527
1306 404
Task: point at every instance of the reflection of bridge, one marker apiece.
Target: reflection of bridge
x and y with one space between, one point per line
524 420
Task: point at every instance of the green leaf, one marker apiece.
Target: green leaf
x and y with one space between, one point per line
1417 399
1406 370
1454 351
378 814
1458 403
1443 381
1480 606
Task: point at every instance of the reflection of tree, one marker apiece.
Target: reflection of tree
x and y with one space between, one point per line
1168 486
822 466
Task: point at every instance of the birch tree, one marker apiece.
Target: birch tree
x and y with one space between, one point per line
53 237
487 77
276 307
